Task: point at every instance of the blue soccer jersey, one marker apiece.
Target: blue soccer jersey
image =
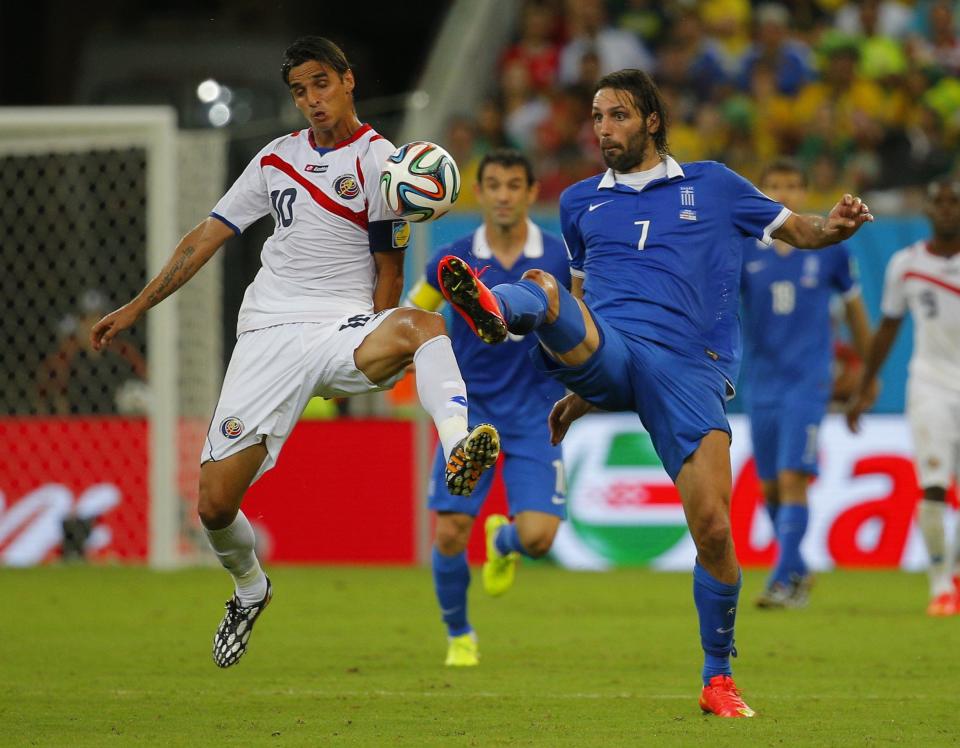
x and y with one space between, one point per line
502 384
662 263
786 318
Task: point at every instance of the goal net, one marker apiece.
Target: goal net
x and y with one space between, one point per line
101 450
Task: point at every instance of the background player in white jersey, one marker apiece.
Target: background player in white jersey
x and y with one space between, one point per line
320 317
507 244
924 278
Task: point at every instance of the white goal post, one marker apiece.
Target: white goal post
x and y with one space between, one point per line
96 198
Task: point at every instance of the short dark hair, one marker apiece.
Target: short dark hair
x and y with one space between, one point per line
646 97
783 166
506 157
313 48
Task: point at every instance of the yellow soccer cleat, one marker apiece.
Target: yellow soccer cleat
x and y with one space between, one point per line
499 571
462 651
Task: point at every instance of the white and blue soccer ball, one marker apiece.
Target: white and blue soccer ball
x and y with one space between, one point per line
420 181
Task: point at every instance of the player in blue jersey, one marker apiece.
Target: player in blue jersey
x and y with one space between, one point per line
651 325
507 244
787 328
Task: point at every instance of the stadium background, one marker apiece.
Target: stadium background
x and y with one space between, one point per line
864 95
122 123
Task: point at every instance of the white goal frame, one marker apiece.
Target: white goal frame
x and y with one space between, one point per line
26 130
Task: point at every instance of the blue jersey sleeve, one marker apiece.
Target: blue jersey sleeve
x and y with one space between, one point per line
569 216
430 271
843 279
753 213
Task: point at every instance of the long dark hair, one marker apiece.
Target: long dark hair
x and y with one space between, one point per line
646 97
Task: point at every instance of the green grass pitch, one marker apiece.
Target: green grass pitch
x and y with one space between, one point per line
349 656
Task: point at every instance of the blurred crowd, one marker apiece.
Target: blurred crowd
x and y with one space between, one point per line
866 95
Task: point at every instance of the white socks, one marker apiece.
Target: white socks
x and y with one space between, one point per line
442 391
930 518
234 547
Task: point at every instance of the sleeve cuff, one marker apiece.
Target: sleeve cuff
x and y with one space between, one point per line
851 293
577 273
223 220
776 223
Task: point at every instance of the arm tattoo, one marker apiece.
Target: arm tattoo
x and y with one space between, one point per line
178 274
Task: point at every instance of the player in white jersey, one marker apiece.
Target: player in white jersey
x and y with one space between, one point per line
924 278
320 318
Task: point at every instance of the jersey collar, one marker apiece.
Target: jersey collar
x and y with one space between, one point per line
358 133
674 171
533 248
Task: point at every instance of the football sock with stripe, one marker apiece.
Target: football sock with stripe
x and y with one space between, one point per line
234 546
791 526
442 391
508 541
451 578
717 609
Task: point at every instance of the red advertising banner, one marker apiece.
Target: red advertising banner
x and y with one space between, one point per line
345 492
89 468
341 492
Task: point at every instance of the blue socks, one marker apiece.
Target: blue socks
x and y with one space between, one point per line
524 306
717 608
508 541
791 526
451 577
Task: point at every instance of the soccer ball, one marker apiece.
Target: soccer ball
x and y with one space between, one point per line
420 181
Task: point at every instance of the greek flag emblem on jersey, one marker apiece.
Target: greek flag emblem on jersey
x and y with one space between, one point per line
686 196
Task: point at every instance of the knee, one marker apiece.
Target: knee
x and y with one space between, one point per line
538 544
537 537
415 327
546 281
215 507
712 536
792 484
451 535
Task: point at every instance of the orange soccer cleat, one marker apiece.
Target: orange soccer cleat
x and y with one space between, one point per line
721 697
944 605
462 288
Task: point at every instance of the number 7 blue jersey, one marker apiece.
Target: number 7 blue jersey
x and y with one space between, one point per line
662 263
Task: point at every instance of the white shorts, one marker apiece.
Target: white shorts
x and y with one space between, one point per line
934 413
272 374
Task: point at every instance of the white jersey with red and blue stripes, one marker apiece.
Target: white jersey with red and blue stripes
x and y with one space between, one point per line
329 218
928 286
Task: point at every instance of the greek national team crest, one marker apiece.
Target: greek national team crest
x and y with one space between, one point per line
687 201
231 427
400 234
346 186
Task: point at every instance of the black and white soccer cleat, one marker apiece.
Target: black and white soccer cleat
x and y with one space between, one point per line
233 633
470 458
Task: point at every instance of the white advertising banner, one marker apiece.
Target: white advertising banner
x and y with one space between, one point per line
624 510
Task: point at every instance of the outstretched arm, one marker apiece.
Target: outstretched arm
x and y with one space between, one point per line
879 350
815 232
190 255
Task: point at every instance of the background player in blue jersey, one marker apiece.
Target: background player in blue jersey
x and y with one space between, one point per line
651 325
504 388
787 328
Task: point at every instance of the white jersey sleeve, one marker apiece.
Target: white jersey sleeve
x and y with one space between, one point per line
894 302
248 199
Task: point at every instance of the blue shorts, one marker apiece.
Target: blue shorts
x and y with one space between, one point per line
532 473
785 434
679 398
